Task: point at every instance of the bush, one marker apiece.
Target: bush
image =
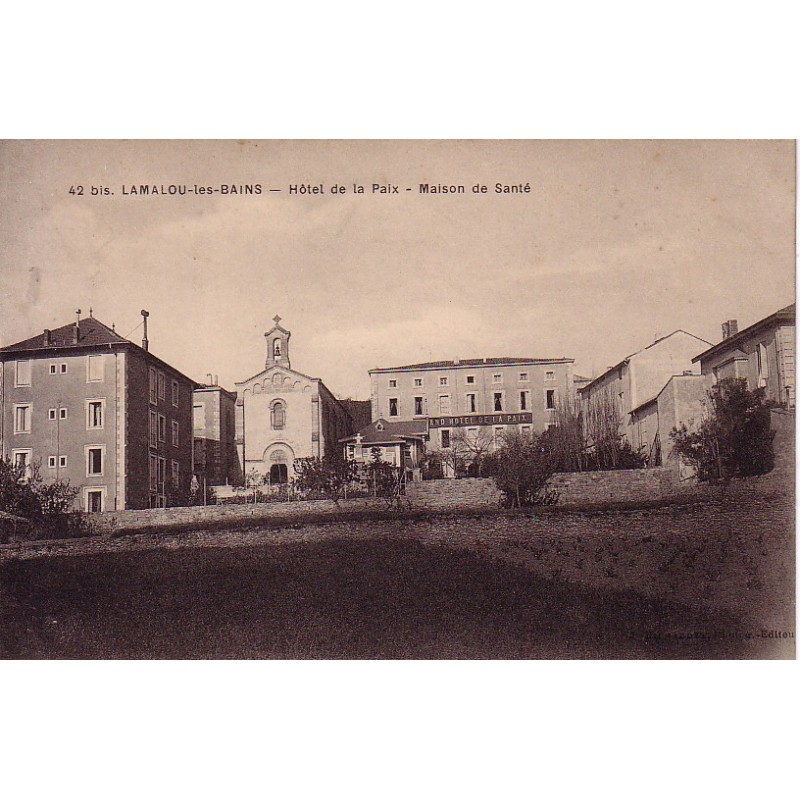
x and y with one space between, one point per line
47 506
734 439
329 476
521 468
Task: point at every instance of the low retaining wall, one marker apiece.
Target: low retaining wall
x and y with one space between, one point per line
450 493
624 485
629 485
109 521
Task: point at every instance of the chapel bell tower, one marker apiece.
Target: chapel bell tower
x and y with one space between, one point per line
277 346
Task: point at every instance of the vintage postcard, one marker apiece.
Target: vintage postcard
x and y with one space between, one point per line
397 399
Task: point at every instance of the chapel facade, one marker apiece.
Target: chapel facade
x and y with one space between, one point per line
283 415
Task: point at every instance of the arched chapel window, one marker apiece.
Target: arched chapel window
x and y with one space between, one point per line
278 414
276 348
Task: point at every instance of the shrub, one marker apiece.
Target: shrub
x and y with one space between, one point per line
329 476
49 507
521 468
734 439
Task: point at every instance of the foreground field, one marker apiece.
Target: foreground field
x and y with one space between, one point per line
694 581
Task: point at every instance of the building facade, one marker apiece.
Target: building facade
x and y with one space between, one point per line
92 408
763 354
283 415
401 444
474 398
639 379
214 423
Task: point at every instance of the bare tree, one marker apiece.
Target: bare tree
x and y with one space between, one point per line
474 446
567 437
456 456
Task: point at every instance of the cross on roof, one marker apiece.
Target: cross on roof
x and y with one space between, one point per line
276 319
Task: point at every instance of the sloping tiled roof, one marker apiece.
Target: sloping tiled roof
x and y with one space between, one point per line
92 334
476 362
392 433
628 358
785 316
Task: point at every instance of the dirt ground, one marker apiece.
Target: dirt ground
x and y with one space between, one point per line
704 580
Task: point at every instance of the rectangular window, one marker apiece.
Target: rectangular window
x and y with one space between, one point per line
497 436
550 398
175 473
22 418
472 404
95 369
51 462
549 375
470 379
162 428
417 381
94 460
63 369
523 376
525 430
445 438
62 461
497 377
392 383
392 406
524 400
94 501
443 380
162 386
162 474
175 393
199 417
53 369
763 365
175 434
94 413
418 407
153 429
62 413
153 473
51 413
444 404
21 458
23 374
153 386
498 401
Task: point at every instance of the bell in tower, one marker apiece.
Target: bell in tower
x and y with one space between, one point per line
278 345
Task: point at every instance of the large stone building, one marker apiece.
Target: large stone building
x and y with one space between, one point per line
762 353
482 397
632 385
283 414
214 420
97 410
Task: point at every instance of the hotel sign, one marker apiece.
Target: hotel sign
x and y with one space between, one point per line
470 420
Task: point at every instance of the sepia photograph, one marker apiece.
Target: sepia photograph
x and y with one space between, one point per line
397 399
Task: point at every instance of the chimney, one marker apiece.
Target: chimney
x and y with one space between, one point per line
76 331
729 328
145 342
47 338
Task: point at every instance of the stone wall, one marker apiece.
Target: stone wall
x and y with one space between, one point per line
625 485
223 515
629 485
448 493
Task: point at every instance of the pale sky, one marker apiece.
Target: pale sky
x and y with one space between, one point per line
617 243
